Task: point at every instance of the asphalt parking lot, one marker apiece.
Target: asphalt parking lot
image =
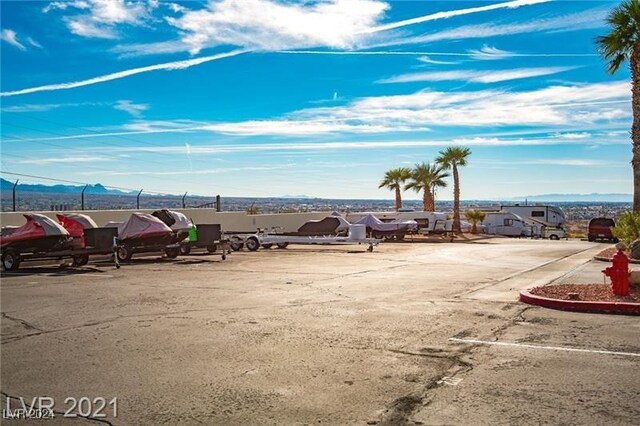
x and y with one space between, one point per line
322 335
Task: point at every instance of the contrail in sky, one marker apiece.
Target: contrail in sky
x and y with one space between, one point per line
170 66
197 61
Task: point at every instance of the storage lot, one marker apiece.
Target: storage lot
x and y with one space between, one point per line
329 335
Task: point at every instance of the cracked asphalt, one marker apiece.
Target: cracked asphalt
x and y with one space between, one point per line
322 335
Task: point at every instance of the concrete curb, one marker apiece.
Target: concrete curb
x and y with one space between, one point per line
624 308
607 259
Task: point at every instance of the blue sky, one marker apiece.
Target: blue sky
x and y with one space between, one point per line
266 98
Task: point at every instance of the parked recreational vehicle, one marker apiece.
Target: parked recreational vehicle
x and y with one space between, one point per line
545 221
427 221
505 223
549 215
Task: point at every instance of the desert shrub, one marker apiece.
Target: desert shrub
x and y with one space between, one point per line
627 228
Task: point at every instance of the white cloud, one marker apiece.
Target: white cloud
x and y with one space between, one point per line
11 37
574 135
489 53
103 16
269 25
473 76
135 110
69 159
170 66
427 60
34 43
44 107
176 8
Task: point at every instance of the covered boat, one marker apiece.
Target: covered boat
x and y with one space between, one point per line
143 226
40 233
330 225
379 228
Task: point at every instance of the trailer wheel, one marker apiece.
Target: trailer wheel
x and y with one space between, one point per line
236 245
399 237
124 253
554 237
252 244
267 246
172 253
212 248
10 260
378 236
80 260
185 249
282 245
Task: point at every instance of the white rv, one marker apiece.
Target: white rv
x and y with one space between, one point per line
505 223
427 221
545 221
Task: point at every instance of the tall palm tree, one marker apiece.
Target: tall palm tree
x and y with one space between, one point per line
426 178
623 43
452 158
393 180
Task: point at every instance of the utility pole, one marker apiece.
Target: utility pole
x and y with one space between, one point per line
183 203
82 197
218 203
138 199
15 185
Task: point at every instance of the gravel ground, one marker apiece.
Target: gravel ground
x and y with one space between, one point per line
587 292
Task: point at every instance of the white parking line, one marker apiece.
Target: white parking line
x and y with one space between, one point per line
549 348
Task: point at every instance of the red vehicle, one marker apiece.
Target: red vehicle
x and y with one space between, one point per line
600 229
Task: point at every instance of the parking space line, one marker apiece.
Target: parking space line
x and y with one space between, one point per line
549 348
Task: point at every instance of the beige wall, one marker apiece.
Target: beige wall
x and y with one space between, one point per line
230 221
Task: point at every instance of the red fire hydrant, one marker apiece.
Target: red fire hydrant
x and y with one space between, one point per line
619 274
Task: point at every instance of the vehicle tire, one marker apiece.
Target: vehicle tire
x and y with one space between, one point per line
399 237
378 236
252 244
172 253
591 239
615 241
124 253
10 260
282 245
267 246
80 260
236 245
554 237
185 249
212 248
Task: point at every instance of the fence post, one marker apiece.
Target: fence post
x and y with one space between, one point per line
14 194
138 199
218 203
82 197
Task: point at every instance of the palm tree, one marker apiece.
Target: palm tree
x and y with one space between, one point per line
475 216
393 180
426 178
451 158
623 43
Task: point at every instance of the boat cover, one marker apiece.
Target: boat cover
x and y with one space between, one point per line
328 226
37 226
397 225
142 225
76 223
182 223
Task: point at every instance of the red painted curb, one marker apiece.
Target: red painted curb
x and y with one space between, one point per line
607 259
624 308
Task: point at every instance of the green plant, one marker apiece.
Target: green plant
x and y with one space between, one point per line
622 44
393 180
427 177
475 216
253 209
627 228
452 158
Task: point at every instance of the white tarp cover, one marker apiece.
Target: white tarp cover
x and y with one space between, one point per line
50 226
85 220
397 225
142 225
182 222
